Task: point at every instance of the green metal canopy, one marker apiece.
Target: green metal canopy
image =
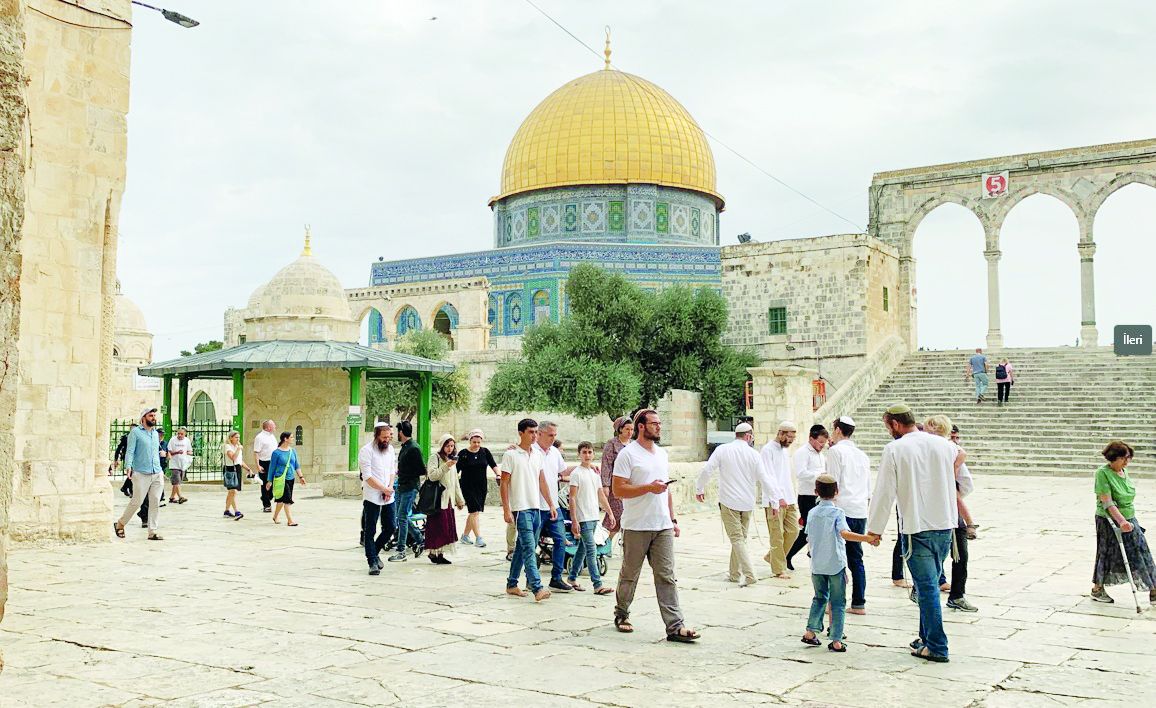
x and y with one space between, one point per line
359 361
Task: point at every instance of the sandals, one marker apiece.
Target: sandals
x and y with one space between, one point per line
813 641
292 524
842 647
925 654
623 625
683 635
604 591
118 529
576 586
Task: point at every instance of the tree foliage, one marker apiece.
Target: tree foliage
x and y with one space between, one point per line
210 346
622 347
399 399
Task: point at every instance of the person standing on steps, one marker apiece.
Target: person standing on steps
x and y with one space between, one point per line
916 473
1116 504
740 472
264 443
649 527
1005 376
809 464
851 470
977 365
783 514
143 466
410 470
377 463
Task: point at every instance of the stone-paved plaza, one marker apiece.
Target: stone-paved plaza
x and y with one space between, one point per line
226 613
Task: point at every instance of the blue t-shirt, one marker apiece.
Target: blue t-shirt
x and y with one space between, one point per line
828 550
277 464
978 363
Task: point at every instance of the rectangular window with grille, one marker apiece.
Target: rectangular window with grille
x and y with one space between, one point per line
777 319
886 300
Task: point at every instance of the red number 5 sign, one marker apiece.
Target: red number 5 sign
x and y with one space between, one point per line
994 185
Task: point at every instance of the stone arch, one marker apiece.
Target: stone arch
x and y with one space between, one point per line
1115 185
445 321
947 251
1006 204
406 319
371 326
203 410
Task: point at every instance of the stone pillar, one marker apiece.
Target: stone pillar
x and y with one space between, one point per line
780 394
908 305
1089 337
994 335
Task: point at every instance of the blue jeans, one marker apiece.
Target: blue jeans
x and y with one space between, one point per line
525 547
855 565
558 556
833 589
928 549
981 383
405 527
586 554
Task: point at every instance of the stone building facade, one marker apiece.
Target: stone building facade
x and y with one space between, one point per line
455 308
826 303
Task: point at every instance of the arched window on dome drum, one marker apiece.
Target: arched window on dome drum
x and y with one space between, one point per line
203 409
376 327
299 436
541 306
407 320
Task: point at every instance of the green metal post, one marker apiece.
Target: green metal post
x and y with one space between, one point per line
239 395
182 403
167 404
423 414
354 422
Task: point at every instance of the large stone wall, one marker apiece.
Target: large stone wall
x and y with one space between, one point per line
12 205
77 67
832 289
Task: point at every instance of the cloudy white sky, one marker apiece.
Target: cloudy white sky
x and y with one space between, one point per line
385 129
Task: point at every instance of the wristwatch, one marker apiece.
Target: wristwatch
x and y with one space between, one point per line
674 521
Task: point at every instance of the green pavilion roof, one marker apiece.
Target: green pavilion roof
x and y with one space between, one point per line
294 355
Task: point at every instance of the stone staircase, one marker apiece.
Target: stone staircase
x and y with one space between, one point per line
1067 403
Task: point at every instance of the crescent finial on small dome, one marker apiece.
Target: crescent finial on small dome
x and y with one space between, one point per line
308 250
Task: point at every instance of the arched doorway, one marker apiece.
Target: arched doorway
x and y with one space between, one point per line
204 411
950 282
1124 231
372 328
445 322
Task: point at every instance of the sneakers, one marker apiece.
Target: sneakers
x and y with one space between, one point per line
962 605
417 550
480 542
373 569
238 516
466 540
397 557
228 513
1101 595
559 586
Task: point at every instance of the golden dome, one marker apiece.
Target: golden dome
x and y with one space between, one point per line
609 127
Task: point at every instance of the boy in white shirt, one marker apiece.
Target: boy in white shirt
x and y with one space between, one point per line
586 497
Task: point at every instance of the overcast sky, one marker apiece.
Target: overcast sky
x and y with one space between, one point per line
385 129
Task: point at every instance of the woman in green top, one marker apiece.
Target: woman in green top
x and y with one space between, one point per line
1115 497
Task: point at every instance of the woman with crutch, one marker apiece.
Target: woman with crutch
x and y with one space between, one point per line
1122 553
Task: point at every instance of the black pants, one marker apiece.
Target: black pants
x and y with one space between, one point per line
897 558
371 514
959 567
263 475
806 503
1002 390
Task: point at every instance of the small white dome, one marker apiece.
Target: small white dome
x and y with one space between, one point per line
129 318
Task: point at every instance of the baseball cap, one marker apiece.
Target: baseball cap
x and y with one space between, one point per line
147 410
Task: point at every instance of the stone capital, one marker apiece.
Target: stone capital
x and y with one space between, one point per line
1087 249
992 256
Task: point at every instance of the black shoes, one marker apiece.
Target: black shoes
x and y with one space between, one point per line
559 586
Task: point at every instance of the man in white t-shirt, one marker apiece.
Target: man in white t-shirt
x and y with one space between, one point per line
377 463
180 451
586 498
264 443
553 467
809 464
641 475
849 466
523 484
783 515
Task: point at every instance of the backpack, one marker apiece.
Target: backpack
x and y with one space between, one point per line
1001 372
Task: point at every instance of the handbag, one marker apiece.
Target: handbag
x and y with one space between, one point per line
429 497
232 478
279 481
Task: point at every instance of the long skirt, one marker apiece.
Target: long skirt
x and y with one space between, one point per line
441 531
616 509
1110 568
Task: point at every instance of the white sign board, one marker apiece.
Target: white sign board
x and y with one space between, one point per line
355 410
145 383
994 185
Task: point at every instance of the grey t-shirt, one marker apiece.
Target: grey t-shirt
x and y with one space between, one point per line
978 364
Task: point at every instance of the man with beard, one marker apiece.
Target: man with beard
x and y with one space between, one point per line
783 514
378 464
641 475
143 465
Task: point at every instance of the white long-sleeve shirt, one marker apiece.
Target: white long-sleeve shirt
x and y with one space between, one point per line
852 470
777 461
809 464
739 467
916 473
380 465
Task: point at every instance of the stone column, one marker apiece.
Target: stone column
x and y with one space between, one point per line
994 335
1089 337
780 394
907 301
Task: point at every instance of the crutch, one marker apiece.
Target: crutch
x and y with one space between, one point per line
1127 565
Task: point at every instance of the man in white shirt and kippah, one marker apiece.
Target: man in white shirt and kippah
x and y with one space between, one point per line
377 463
783 514
917 474
809 464
849 466
740 471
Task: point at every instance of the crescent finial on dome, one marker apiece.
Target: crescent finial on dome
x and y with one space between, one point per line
308 250
606 51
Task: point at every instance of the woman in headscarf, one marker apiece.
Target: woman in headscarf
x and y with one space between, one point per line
441 527
623 431
473 462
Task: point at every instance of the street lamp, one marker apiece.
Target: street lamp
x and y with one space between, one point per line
178 18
